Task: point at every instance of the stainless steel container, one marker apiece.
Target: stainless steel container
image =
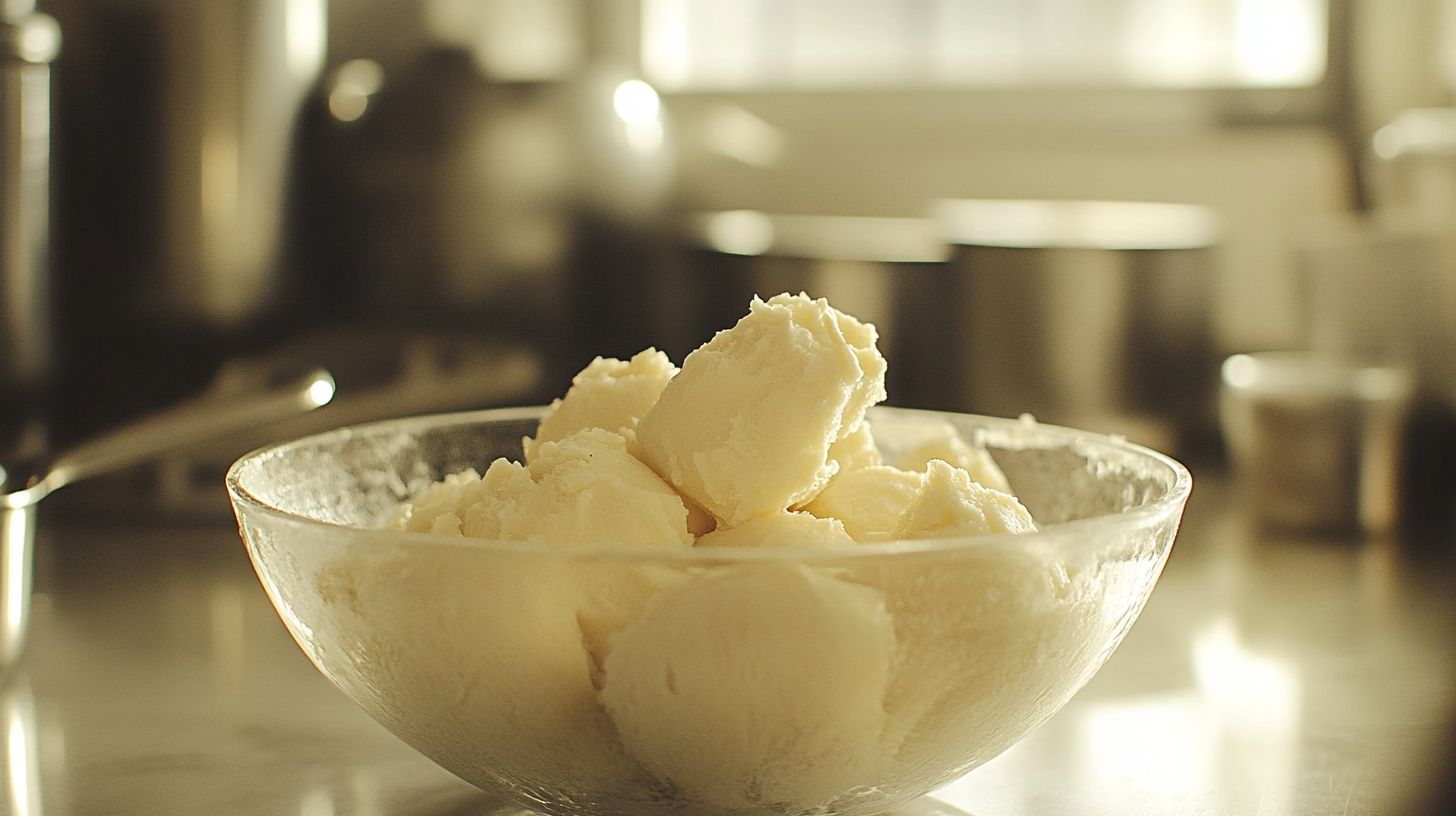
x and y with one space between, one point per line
239 72
1316 440
1093 314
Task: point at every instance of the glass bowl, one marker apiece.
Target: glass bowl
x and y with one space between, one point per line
584 680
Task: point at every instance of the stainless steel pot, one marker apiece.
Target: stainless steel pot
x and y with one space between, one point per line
1093 314
217 412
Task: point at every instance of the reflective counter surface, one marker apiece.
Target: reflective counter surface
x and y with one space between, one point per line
1272 677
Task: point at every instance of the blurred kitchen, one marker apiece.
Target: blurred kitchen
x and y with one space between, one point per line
1103 213
555 179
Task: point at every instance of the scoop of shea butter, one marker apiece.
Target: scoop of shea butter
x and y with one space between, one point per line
856 449
951 504
609 394
745 428
945 444
585 489
868 501
761 684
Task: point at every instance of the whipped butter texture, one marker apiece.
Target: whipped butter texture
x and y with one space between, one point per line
768 685
746 427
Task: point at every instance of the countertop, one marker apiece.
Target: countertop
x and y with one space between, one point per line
1271 676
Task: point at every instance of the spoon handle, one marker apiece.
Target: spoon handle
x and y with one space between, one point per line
199 419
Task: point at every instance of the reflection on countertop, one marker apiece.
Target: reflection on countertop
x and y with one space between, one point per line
1281 677
1278 677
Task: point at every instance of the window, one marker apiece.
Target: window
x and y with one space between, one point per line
732 45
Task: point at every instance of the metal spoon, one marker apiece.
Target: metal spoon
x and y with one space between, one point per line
210 415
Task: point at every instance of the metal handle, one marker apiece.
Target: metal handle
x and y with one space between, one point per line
208 416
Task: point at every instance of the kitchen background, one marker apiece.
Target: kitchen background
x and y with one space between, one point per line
1073 208
244 177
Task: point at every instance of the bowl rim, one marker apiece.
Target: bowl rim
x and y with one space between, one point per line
1170 502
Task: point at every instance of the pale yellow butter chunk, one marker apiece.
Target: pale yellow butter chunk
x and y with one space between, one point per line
787 529
868 501
856 449
951 504
584 490
437 509
609 394
745 428
757 686
947 446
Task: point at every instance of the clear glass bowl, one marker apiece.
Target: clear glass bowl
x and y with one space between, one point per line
582 680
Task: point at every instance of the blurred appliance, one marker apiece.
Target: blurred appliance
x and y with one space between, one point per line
175 125
886 271
444 202
240 174
1092 314
506 175
229 124
221 197
231 79
522 209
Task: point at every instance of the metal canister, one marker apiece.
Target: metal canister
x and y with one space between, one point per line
1316 439
1095 314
